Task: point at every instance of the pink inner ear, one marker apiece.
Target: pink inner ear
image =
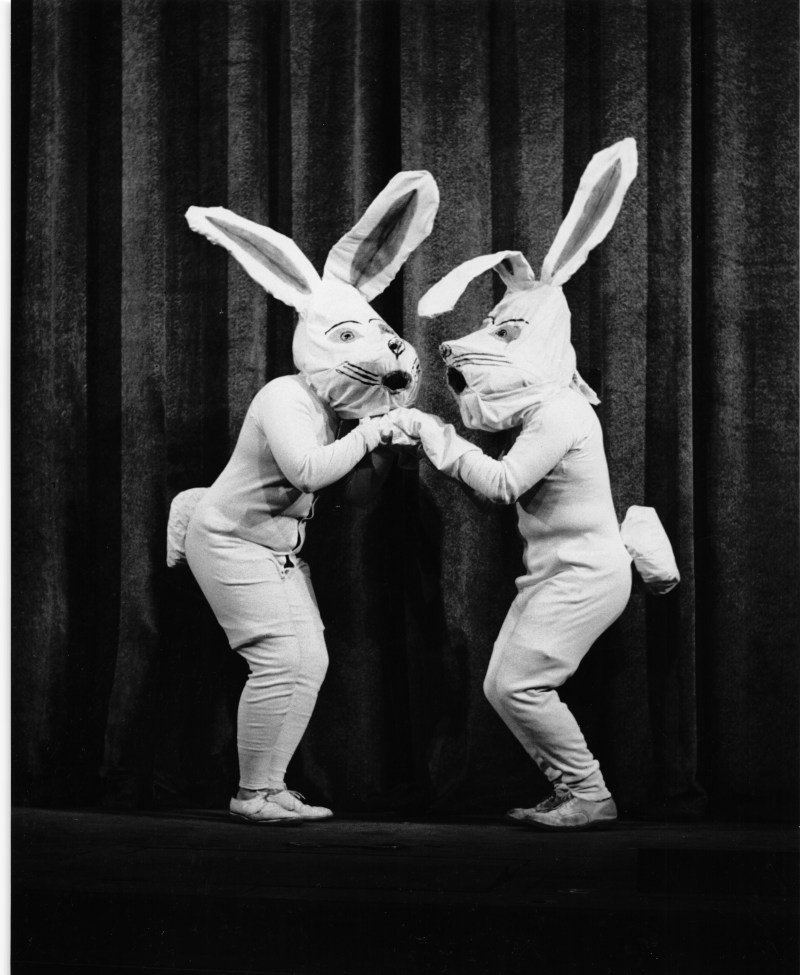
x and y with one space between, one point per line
443 296
259 248
383 243
515 272
597 204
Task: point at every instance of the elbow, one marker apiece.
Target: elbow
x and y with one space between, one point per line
492 480
311 471
494 493
304 480
308 485
503 494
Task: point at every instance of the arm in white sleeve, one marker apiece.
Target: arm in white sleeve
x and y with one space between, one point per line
542 443
289 423
442 445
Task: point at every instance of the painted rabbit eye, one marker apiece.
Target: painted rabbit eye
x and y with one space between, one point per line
508 331
343 332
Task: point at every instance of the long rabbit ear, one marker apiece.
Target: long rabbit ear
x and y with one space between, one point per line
510 265
395 223
593 211
271 259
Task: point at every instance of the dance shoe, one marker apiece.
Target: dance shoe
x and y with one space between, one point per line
566 812
277 807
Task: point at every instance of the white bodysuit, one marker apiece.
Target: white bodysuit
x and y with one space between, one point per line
242 546
243 539
519 371
577 579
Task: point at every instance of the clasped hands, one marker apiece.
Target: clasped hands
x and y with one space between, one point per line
409 427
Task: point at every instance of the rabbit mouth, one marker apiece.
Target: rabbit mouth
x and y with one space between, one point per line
456 381
397 380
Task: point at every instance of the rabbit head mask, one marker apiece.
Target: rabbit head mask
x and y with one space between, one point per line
522 353
352 358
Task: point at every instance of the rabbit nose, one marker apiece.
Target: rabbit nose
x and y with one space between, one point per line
445 351
396 345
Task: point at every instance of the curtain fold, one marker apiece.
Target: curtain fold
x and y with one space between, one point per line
49 511
137 347
750 364
670 409
144 301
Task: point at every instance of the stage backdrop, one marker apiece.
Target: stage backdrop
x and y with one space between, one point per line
137 347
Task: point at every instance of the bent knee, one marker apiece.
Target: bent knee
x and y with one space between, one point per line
508 692
503 692
490 690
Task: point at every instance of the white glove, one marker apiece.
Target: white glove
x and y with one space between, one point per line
386 431
442 445
381 431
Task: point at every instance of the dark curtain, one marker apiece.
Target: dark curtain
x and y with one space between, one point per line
136 348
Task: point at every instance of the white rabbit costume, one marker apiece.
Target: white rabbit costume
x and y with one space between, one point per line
518 370
245 534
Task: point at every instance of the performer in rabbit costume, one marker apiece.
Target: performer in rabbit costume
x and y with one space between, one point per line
518 371
245 534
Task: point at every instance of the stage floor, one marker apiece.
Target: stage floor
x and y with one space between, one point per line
198 892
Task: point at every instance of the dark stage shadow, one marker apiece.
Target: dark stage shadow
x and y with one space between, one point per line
189 891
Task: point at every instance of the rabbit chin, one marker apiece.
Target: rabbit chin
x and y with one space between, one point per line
353 400
500 410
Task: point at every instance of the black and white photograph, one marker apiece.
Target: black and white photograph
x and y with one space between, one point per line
404 495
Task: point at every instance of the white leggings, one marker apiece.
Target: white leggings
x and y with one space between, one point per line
266 605
547 632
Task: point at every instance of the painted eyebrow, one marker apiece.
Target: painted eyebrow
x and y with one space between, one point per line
508 321
347 321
